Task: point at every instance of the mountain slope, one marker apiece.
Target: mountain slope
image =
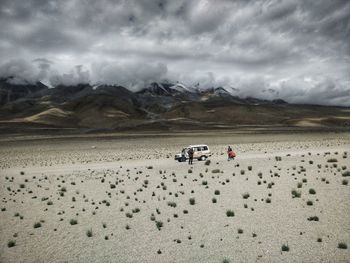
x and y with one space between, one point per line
157 106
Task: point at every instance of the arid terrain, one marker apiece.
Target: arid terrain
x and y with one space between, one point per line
123 198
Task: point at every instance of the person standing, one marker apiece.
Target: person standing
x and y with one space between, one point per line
190 155
231 154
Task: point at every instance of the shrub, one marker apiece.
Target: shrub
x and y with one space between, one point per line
214 200
171 204
192 201
217 192
37 225
278 158
215 171
250 167
240 231
11 243
159 224
230 213
245 195
296 194
342 245
312 191
309 203
332 160
313 218
136 210
73 222
89 232
204 182
268 200
285 248
344 182
129 215
345 174
207 162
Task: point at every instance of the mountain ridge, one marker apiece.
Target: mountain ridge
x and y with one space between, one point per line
157 105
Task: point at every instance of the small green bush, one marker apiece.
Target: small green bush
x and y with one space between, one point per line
230 213
285 248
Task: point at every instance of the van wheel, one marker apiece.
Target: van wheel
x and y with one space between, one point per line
202 158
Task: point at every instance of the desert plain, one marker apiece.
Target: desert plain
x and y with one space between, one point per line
123 198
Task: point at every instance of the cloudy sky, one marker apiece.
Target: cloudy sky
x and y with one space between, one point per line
297 50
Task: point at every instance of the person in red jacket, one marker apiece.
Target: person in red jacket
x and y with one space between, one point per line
231 154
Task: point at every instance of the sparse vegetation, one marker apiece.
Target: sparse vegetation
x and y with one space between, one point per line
345 174
11 243
342 245
73 222
312 191
192 201
245 195
332 160
230 213
296 194
89 232
285 248
159 224
313 218
171 204
37 225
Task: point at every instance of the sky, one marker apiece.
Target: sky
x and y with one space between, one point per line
296 50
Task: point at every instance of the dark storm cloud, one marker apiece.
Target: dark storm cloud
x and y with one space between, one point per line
291 49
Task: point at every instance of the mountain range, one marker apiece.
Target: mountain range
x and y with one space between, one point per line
158 106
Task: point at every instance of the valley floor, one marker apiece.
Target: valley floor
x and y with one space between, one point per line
125 199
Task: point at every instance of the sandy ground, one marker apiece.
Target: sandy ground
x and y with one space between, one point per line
121 189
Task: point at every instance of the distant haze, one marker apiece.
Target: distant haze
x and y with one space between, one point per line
297 50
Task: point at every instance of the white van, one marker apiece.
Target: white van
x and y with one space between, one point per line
200 152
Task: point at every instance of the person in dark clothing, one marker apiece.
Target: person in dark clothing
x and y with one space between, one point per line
190 155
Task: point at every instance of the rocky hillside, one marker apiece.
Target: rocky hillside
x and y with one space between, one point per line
157 106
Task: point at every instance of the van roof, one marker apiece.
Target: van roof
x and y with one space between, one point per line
198 145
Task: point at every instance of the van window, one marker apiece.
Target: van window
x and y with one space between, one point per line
205 148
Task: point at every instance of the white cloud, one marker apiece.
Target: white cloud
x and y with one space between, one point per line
250 45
